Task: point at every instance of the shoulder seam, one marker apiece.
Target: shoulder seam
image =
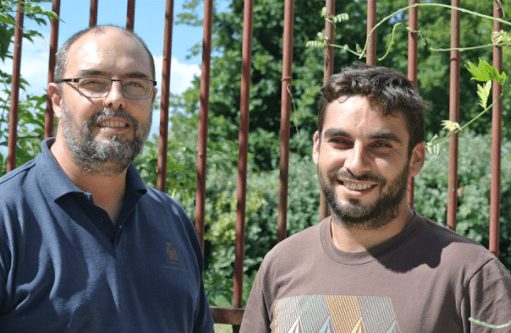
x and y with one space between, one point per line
465 288
22 169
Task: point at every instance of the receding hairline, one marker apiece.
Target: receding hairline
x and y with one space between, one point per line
104 30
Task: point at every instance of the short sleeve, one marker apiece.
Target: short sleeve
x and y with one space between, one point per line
487 298
256 318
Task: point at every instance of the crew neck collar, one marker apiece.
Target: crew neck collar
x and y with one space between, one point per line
375 252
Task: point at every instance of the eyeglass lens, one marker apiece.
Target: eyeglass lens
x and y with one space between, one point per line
131 88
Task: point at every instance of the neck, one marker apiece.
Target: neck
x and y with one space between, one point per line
107 190
360 238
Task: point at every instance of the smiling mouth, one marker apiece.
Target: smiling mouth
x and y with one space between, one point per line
114 124
356 186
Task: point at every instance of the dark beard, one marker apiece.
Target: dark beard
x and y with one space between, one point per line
373 216
110 157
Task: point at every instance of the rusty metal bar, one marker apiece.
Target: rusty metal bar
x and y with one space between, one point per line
54 39
496 140
328 70
130 15
226 315
93 14
287 77
15 89
202 149
371 43
161 178
413 24
243 150
454 115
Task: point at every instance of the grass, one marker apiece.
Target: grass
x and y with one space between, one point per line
223 328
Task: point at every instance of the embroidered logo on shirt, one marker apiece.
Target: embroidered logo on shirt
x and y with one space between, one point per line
171 252
173 263
334 314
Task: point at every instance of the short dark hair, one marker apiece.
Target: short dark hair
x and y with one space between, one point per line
62 60
386 88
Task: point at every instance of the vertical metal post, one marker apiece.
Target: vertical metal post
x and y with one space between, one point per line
328 70
371 43
130 15
202 149
243 150
161 178
54 39
93 14
15 88
287 65
454 115
413 24
496 140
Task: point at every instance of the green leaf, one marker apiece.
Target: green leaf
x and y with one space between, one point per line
503 77
451 125
484 93
485 72
341 17
6 19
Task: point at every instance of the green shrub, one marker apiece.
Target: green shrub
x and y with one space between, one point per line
474 179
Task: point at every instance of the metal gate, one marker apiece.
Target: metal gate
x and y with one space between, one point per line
233 315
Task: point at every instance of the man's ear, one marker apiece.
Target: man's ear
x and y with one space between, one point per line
417 159
315 147
56 99
154 95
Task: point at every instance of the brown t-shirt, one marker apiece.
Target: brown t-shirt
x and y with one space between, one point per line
425 279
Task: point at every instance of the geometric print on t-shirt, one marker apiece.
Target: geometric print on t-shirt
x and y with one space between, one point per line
334 314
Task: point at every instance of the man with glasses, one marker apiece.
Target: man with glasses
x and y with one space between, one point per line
85 245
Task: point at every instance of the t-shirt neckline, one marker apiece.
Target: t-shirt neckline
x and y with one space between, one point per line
376 252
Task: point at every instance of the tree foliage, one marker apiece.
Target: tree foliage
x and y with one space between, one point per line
474 179
265 91
265 97
265 106
434 64
31 112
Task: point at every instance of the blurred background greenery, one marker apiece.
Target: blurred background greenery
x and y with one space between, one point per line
264 135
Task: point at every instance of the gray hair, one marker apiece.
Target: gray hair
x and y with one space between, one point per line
62 59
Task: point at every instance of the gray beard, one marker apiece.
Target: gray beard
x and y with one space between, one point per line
372 216
107 157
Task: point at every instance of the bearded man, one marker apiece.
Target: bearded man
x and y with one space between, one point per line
375 265
85 245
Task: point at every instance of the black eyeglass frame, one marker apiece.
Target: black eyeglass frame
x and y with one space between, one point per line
77 80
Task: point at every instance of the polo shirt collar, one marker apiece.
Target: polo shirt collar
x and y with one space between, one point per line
56 184
52 178
134 182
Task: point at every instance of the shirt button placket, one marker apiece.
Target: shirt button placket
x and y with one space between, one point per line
120 239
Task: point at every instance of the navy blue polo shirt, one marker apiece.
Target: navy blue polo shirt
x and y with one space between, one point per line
64 266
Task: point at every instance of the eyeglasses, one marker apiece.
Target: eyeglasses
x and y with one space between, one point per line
98 87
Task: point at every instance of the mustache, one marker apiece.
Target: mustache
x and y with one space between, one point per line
109 113
347 175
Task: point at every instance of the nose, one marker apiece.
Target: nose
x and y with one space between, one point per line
115 99
357 161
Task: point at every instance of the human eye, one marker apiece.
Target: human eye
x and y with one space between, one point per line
134 83
93 84
382 145
339 142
